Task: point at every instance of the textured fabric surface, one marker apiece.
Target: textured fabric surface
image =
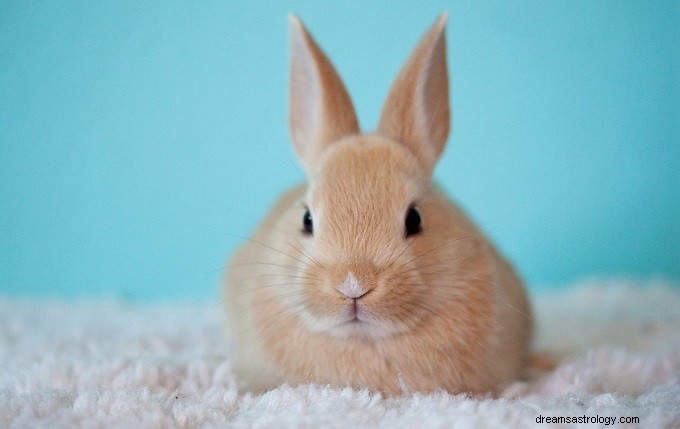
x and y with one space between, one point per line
108 363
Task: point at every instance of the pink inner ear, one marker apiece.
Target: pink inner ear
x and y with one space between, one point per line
305 93
416 112
435 97
321 111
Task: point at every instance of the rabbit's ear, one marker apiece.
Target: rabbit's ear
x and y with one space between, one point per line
416 112
320 108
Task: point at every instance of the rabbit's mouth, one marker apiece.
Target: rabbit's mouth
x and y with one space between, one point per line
357 312
358 322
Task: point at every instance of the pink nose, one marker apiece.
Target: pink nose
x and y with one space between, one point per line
351 287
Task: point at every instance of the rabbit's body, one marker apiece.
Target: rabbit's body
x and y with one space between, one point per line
385 284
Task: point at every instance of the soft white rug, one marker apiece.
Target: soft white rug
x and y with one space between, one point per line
107 363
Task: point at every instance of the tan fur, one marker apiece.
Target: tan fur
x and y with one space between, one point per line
441 309
312 74
416 112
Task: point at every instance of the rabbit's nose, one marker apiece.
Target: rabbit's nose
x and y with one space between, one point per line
354 279
351 287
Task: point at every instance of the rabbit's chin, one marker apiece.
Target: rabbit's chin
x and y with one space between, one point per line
360 329
350 325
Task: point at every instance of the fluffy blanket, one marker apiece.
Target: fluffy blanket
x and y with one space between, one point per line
110 363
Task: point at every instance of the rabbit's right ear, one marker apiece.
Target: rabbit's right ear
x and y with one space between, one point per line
320 108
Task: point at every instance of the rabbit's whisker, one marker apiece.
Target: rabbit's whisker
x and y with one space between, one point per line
270 248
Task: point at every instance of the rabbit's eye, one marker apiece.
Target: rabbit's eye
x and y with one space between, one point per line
307 225
412 222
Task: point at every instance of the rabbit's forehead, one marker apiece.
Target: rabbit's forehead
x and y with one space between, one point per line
365 173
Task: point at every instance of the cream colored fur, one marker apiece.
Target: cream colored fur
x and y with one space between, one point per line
440 309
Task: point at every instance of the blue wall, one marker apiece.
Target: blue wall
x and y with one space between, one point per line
135 138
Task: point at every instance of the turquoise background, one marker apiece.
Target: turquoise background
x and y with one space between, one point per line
136 137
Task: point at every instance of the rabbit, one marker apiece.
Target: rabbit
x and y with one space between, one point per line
367 275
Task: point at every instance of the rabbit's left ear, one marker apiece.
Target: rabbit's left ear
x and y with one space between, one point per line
416 112
320 108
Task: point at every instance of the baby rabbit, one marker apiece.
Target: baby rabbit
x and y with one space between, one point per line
368 275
